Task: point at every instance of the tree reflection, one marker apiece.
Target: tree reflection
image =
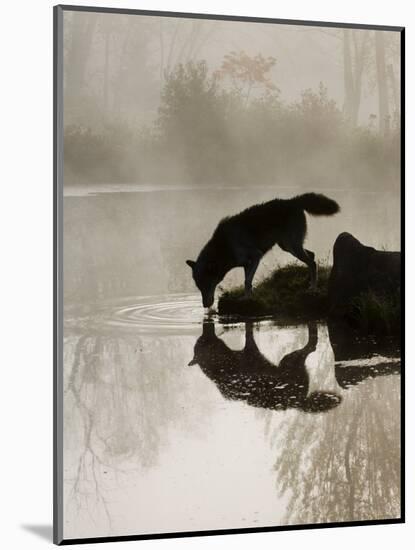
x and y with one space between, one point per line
344 466
123 396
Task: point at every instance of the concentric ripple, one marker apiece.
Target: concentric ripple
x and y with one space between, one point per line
170 313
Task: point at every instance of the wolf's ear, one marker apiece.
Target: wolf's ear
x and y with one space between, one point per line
191 263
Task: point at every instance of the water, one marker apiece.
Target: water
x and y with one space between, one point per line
178 421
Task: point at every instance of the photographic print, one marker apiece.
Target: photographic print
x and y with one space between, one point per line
228 302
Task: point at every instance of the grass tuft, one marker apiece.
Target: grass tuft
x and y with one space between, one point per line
284 293
376 314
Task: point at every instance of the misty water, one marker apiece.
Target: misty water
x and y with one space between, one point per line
179 421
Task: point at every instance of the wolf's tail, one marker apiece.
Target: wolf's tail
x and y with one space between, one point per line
316 204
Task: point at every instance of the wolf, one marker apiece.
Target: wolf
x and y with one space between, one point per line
243 239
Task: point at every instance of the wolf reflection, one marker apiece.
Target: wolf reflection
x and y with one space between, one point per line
247 375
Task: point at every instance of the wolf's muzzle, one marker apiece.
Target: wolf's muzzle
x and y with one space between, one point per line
208 301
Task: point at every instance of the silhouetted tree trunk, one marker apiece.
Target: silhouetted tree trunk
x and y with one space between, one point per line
108 27
78 53
107 38
161 38
182 47
354 55
121 68
172 47
392 80
347 73
384 122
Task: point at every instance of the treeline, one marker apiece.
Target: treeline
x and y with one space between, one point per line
232 127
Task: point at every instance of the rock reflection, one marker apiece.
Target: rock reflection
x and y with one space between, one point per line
359 359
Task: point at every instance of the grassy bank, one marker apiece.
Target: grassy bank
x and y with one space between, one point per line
286 296
284 293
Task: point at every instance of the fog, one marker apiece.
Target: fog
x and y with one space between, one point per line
161 100
170 125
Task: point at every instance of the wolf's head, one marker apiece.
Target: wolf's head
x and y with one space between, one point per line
206 277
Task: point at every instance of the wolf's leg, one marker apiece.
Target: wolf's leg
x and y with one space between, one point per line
250 269
297 358
249 337
307 257
312 256
312 337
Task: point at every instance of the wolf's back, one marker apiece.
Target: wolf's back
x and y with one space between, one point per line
316 204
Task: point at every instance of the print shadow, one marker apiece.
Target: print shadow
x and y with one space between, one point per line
43 531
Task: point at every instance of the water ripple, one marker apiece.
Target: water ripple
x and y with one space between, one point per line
172 313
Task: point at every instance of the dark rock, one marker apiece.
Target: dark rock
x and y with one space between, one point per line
358 268
352 345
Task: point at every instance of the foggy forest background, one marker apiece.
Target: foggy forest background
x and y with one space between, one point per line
188 101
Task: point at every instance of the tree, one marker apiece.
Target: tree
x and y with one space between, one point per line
384 119
192 119
355 54
247 73
77 54
183 44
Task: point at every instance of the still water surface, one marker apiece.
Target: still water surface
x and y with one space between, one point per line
175 421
